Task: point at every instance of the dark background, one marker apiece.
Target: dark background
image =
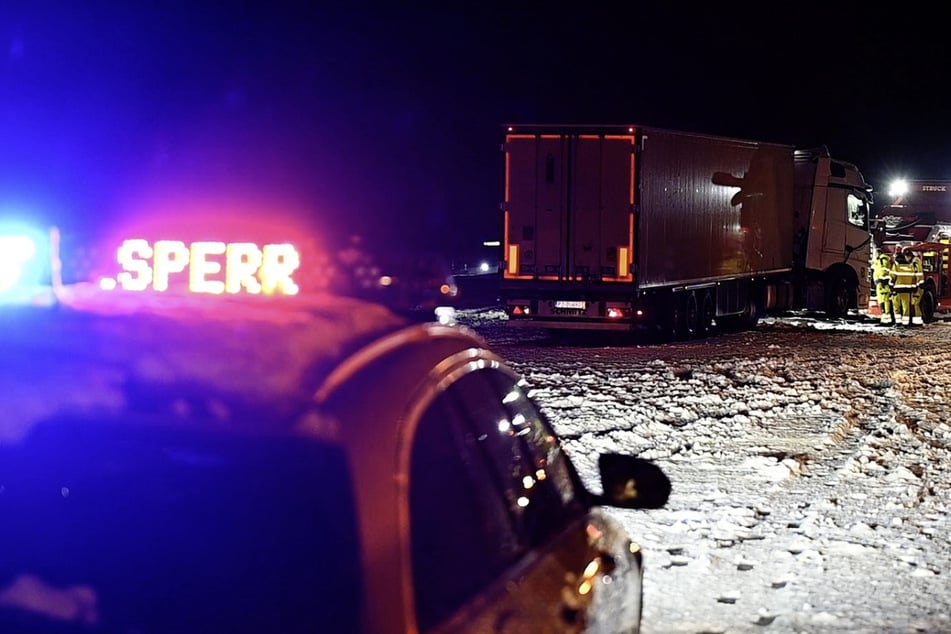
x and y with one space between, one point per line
386 121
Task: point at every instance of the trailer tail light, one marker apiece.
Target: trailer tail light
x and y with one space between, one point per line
620 310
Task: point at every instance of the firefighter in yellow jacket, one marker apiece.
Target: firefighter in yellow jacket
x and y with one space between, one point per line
881 276
917 317
905 283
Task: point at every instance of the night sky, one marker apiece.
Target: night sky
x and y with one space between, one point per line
386 122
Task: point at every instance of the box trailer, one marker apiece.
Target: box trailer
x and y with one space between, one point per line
628 227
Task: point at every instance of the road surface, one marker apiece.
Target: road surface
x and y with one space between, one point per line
810 461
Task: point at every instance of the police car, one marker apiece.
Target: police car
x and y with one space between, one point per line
264 461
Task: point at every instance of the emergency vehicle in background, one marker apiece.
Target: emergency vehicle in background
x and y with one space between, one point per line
623 227
917 216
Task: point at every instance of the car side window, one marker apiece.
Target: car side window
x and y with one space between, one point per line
174 529
527 459
488 481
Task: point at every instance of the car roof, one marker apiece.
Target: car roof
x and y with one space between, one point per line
336 368
86 352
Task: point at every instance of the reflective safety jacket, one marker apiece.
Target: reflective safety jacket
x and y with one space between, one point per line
906 277
881 274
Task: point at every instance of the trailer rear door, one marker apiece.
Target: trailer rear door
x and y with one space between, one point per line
569 201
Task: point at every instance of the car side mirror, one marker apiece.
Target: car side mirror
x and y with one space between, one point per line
631 482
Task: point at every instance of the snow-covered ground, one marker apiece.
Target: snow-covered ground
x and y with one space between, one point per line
810 461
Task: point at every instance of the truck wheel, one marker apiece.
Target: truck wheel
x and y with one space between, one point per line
750 315
927 305
840 297
745 320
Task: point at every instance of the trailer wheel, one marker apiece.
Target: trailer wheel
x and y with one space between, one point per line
750 315
692 316
745 320
675 326
706 315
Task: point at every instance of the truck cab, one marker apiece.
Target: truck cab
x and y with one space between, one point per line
832 215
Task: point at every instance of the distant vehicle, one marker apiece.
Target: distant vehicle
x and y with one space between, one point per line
935 257
628 227
916 215
412 284
185 461
911 208
418 284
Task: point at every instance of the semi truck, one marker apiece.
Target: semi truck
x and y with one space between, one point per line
635 227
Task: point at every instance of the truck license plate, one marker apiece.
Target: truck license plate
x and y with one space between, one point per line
570 304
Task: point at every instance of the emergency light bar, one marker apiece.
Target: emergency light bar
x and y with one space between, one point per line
16 252
24 263
205 267
194 254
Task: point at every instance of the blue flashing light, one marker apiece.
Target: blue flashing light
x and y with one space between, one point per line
16 254
24 262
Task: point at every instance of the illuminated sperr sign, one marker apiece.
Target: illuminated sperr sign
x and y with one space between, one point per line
207 267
